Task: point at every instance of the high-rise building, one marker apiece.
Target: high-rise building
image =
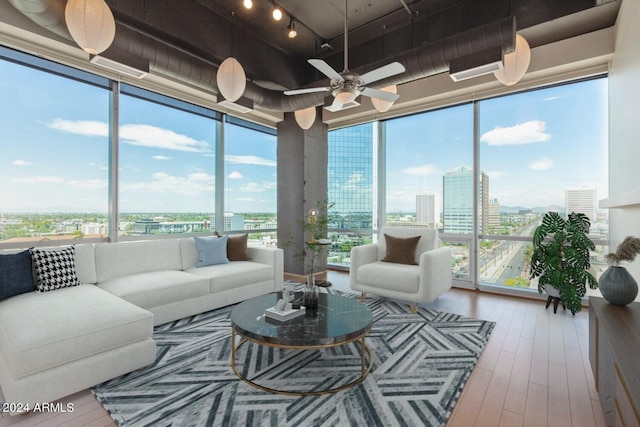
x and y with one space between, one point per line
494 216
426 209
350 176
582 200
458 201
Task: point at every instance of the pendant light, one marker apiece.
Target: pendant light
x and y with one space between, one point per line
382 105
305 117
91 24
516 63
231 77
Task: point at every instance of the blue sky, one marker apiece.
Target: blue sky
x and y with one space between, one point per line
54 151
533 146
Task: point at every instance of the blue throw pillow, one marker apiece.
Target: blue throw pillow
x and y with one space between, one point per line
16 276
211 250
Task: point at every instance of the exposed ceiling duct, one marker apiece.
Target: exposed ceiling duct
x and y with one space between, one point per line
172 61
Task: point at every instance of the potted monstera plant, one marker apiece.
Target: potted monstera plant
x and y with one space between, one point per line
561 257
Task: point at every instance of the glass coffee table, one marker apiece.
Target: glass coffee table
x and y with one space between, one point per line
339 321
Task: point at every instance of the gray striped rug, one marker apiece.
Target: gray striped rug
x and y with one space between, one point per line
421 363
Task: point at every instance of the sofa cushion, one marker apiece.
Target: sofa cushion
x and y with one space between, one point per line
401 250
126 258
428 240
157 288
234 274
237 248
39 331
55 269
212 250
16 275
396 277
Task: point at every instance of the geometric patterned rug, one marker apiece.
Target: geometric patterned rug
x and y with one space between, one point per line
421 363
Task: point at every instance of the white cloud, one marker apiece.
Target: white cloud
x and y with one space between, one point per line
163 183
423 170
235 175
81 127
541 165
134 134
250 160
90 184
21 163
523 133
37 180
155 137
160 157
257 187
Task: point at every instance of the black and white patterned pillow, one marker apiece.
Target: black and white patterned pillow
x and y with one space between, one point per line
55 269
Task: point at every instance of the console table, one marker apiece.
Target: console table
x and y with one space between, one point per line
614 349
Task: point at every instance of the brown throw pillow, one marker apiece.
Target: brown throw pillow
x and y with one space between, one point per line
237 248
401 251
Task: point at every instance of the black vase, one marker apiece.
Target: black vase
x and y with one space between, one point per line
618 286
310 299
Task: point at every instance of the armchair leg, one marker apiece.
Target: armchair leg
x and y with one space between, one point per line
362 295
414 307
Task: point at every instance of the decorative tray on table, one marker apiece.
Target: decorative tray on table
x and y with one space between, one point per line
287 313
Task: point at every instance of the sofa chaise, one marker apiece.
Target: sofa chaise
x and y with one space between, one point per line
56 343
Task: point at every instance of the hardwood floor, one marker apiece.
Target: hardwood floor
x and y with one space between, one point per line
534 371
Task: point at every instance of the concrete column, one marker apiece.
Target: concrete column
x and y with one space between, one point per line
302 182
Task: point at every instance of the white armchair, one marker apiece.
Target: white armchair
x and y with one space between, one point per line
421 283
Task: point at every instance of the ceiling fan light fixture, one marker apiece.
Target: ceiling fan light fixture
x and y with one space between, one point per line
381 105
305 117
516 63
91 24
248 4
231 79
346 95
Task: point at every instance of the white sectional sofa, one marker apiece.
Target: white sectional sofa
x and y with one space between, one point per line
53 344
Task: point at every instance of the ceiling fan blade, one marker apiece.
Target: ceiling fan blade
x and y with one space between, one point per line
307 90
380 94
336 105
325 69
382 73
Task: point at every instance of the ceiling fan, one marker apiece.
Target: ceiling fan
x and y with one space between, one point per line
347 85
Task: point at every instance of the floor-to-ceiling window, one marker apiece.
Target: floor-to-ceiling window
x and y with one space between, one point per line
84 157
250 179
54 152
542 150
166 165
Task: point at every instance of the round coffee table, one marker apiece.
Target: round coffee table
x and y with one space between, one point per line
339 321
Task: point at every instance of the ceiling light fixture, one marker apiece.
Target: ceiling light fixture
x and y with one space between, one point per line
516 63
91 24
305 117
381 105
248 4
292 30
277 14
231 77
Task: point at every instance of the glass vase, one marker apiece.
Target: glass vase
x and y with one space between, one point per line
310 297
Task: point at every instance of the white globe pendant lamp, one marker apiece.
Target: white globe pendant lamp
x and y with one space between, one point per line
380 104
91 24
305 117
231 79
516 63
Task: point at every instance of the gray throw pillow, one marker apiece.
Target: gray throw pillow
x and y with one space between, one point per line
16 274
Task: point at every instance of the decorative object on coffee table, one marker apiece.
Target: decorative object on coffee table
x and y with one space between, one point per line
563 261
616 284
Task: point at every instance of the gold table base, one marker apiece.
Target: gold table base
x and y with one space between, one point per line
365 369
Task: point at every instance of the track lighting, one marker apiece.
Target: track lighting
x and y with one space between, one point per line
292 30
248 4
277 14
